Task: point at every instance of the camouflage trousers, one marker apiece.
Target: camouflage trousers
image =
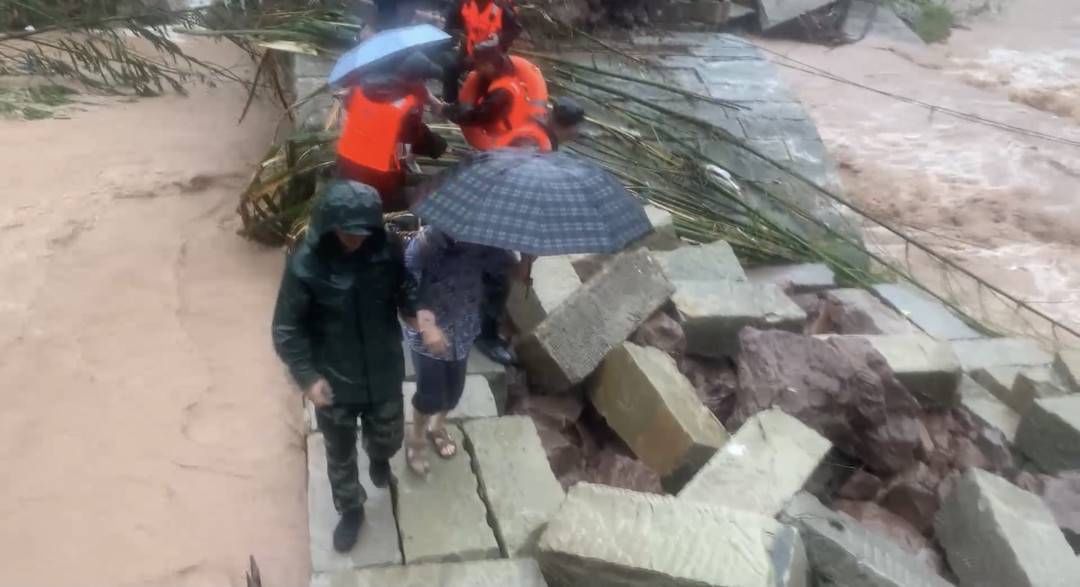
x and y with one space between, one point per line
382 427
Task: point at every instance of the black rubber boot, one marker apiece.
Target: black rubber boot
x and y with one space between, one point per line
380 474
348 530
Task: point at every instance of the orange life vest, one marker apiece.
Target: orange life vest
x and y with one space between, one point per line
528 89
531 133
372 134
480 25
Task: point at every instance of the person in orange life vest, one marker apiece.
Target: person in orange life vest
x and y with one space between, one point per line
503 97
475 22
384 115
561 126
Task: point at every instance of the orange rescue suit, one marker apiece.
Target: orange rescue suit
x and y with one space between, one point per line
372 134
529 105
480 24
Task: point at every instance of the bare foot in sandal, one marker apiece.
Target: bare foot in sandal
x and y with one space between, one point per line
445 446
416 457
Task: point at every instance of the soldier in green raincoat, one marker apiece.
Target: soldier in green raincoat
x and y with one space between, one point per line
336 326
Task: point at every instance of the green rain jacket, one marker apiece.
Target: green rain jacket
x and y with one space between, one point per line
337 313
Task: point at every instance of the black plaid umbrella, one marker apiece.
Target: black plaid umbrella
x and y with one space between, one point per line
535 203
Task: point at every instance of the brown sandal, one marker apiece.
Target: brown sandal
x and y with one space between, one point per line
445 446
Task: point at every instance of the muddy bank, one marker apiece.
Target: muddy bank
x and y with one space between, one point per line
149 435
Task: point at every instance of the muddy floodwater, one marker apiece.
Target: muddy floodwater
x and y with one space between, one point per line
1005 205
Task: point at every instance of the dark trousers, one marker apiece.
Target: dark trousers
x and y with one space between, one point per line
452 74
496 292
382 426
439 384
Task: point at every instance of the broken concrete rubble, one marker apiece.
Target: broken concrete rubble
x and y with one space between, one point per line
662 332
715 381
843 552
663 236
553 280
605 537
989 410
712 262
1049 433
861 486
1061 494
926 312
570 344
516 481
877 519
520 572
713 313
804 278
912 496
1018 386
998 535
1000 352
761 467
857 311
654 408
927 367
839 386
441 517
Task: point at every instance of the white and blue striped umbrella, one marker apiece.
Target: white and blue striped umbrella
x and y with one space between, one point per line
535 203
383 47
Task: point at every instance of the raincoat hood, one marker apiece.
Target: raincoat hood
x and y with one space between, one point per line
347 205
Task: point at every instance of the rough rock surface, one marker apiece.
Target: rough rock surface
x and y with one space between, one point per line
654 408
988 410
843 552
857 311
1050 433
927 367
805 278
605 537
520 572
999 352
913 496
840 387
764 465
877 519
716 382
663 332
1018 386
663 237
998 535
861 486
571 343
615 469
713 313
1061 494
516 481
441 517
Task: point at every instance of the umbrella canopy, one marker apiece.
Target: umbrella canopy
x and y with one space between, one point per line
535 203
384 47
